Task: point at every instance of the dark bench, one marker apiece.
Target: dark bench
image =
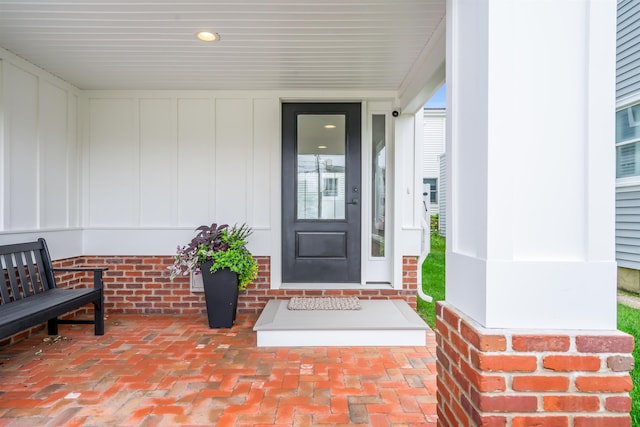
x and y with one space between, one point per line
29 295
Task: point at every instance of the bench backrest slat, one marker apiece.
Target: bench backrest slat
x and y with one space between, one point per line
11 270
4 276
29 277
32 273
25 271
13 280
24 281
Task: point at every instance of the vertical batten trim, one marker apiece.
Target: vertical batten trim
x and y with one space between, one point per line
178 208
175 189
212 153
84 123
76 198
136 133
249 156
39 175
68 151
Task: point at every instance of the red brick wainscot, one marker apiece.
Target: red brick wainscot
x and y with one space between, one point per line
141 285
516 378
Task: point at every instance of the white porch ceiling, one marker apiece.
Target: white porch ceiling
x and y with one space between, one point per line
273 45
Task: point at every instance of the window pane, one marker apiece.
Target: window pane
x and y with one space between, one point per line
628 123
431 185
378 197
321 166
627 160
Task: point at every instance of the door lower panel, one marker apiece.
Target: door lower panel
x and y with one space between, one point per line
321 245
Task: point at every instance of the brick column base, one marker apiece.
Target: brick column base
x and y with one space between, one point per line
525 378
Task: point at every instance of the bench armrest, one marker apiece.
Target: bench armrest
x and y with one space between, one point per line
97 273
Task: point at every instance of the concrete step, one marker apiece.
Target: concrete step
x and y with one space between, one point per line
377 323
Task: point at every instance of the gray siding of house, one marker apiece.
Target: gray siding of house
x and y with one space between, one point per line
628 227
628 49
628 86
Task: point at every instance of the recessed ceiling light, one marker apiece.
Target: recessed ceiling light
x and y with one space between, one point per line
329 126
208 36
322 147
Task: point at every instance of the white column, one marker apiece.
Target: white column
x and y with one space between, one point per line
531 162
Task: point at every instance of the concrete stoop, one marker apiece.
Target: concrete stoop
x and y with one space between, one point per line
377 323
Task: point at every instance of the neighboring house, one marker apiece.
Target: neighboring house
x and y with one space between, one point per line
627 140
435 121
442 196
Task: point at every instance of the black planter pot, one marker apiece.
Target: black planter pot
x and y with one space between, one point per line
221 295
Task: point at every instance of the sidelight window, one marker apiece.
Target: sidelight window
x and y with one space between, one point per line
378 185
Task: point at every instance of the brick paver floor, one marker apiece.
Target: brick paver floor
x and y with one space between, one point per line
161 370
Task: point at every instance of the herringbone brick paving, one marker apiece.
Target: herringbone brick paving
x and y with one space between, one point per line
159 370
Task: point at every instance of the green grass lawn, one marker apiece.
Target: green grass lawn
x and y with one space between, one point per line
629 322
433 279
433 284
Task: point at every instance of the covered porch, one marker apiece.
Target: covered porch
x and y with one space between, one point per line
120 133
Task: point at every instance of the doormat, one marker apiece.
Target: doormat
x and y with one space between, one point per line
324 303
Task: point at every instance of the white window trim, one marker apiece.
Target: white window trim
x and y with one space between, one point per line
627 142
621 105
627 102
627 181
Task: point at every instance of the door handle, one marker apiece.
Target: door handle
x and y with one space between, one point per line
353 202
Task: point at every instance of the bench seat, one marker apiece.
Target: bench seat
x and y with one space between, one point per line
40 308
29 295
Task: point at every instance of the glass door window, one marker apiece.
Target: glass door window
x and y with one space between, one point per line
321 167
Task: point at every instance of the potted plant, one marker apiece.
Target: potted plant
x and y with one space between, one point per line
220 254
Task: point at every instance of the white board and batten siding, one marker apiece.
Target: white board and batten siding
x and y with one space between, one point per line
39 158
181 159
628 91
